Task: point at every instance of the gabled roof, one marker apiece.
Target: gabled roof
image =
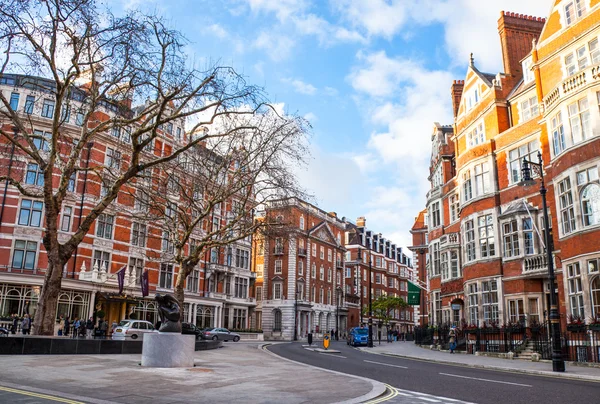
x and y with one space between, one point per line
322 232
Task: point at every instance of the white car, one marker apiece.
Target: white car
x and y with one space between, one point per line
133 329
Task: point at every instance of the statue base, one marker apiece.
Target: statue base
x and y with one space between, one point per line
168 350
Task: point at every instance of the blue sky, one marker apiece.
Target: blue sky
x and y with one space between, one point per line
372 76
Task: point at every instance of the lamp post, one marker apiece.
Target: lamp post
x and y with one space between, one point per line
558 364
359 283
296 316
338 292
370 340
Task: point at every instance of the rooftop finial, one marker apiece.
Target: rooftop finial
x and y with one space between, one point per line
472 61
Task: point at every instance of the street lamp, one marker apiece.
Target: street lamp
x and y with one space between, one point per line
296 316
338 292
558 364
370 340
359 283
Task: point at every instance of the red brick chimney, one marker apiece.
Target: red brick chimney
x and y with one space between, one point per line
517 32
456 91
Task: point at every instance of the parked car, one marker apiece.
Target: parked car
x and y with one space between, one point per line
133 329
358 336
191 329
220 334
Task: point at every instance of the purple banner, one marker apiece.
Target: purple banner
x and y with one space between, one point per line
145 286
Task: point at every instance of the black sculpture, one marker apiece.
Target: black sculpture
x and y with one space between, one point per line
169 312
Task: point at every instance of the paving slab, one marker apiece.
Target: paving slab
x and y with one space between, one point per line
412 351
237 373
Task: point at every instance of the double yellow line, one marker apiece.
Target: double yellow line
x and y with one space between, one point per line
391 393
38 395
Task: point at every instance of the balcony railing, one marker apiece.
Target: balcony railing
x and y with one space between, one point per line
278 250
571 84
339 264
535 264
302 252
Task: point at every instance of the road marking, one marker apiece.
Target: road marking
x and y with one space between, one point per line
432 400
38 395
391 393
387 364
486 380
334 355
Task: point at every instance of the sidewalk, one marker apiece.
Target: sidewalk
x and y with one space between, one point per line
240 373
411 351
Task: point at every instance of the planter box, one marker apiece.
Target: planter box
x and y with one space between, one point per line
576 327
594 327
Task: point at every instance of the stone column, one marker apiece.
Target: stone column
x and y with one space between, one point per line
92 303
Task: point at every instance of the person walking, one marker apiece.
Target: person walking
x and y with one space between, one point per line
66 326
103 325
452 335
76 325
15 323
89 327
61 325
26 325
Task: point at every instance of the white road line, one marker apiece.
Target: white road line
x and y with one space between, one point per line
334 355
433 400
486 380
387 364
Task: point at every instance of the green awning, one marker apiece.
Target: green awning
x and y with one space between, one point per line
414 294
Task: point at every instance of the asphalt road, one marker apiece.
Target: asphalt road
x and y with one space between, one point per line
427 382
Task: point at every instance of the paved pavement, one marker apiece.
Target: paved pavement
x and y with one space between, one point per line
410 350
236 373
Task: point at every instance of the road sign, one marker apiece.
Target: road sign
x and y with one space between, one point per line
326 340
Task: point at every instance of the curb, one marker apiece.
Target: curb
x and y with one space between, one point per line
492 367
378 389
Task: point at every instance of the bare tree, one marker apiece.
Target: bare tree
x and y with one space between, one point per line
95 65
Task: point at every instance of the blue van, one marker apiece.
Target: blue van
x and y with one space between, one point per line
358 336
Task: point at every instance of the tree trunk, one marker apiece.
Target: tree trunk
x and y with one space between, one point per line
45 314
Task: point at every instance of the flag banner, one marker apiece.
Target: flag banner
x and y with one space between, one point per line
414 294
145 286
121 279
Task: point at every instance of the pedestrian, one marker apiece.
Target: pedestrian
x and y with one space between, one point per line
61 325
89 327
66 327
452 335
103 327
15 323
76 325
26 325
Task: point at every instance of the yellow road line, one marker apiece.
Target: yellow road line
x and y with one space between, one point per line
393 392
38 395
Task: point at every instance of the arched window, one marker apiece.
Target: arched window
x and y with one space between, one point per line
595 292
277 320
301 222
590 204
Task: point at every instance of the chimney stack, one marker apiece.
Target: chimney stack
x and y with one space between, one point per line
361 222
456 91
517 31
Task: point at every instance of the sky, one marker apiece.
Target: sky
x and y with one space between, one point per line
371 76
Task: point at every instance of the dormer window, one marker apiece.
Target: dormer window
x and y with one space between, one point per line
574 10
472 98
528 76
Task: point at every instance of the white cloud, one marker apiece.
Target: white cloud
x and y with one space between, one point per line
283 9
278 47
300 86
376 17
330 91
311 117
217 31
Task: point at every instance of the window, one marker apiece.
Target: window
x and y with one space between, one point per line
241 288
529 109
136 269
585 176
435 215
321 273
171 209
322 253
168 247
24 254
528 151
30 213
300 268
104 189
40 140
444 264
314 250
329 255
242 258
467 188
593 267
482 179
29 104
528 76
67 216
277 320
329 275
113 158
301 222
313 271
473 304
575 290
65 113
72 181
486 236
116 132
14 101
595 292
511 239
138 234
454 208
191 282
579 119
567 212
590 204
142 201
104 226
594 51
454 268
558 134
489 300
476 136
574 10
278 266
48 108
321 296
79 118
529 247
472 98
516 314
258 293
470 240
437 179
178 134
34 175
165 279
277 290
101 260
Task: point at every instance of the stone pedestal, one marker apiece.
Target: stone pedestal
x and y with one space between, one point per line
168 350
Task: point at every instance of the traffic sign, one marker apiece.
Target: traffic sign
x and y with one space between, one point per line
326 340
